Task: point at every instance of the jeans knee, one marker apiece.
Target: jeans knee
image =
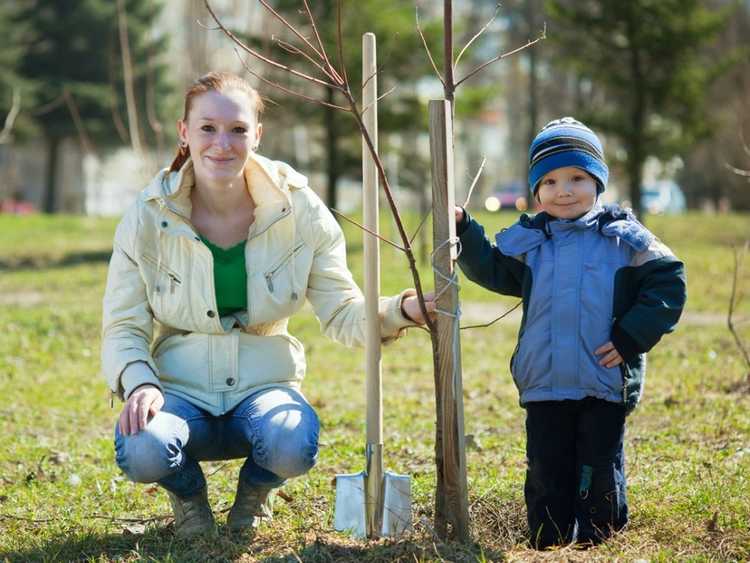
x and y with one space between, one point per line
150 455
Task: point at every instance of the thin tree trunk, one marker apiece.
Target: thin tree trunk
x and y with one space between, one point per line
49 204
636 153
533 105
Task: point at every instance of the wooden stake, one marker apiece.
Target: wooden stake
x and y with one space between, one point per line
451 499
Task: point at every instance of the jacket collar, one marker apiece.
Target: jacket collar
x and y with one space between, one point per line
268 183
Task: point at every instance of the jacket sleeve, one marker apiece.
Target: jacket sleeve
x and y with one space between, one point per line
484 264
661 294
332 291
127 320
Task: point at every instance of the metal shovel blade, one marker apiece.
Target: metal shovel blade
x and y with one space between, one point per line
351 504
396 504
349 515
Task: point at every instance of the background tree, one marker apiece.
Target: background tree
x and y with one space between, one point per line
71 55
648 70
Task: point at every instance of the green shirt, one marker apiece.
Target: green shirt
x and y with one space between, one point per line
230 277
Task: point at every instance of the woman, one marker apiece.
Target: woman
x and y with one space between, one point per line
208 265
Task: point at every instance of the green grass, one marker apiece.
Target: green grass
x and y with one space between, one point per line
62 497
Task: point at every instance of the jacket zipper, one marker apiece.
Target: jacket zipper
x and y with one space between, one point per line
272 273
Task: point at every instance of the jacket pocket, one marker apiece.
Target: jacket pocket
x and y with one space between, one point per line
165 289
279 267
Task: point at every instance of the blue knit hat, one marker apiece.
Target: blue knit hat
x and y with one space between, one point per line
567 142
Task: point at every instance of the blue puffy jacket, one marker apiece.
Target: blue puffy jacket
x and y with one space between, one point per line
583 282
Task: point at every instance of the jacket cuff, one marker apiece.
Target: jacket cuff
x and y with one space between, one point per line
394 323
136 374
625 344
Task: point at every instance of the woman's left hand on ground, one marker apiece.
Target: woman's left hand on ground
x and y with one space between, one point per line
410 306
611 356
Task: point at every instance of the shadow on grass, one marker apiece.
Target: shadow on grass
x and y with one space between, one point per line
17 263
159 544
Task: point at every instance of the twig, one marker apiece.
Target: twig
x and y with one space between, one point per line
323 53
265 59
478 34
738 171
285 89
294 50
474 183
505 314
734 299
204 26
421 223
503 56
353 222
290 27
368 106
48 107
427 48
73 108
215 471
340 42
10 119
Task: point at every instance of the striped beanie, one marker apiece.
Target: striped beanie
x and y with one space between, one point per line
567 142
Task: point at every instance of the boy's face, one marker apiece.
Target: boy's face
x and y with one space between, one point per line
567 193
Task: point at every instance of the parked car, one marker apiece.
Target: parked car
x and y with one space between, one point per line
513 195
664 196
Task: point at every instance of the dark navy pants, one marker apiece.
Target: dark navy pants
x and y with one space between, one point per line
575 480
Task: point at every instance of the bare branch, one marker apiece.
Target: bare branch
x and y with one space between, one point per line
353 222
368 106
738 171
294 50
427 48
10 119
265 59
478 34
419 228
287 90
340 42
291 28
474 183
743 141
734 299
504 55
86 144
204 26
324 55
505 314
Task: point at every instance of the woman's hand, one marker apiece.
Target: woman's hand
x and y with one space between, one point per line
410 308
145 401
459 214
611 358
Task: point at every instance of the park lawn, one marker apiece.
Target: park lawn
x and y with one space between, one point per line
62 497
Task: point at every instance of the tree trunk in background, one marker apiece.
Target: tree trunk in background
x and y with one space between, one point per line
332 156
533 105
53 154
636 138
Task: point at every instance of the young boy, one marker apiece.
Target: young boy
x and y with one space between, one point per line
599 291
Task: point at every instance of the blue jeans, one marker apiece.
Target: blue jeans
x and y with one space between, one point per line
575 482
276 429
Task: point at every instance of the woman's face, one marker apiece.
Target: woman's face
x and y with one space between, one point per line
221 131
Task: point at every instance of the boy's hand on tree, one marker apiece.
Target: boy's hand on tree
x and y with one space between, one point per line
459 214
411 310
611 357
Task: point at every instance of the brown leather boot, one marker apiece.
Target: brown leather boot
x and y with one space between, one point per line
251 505
192 515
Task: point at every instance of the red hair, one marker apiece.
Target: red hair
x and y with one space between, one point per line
218 81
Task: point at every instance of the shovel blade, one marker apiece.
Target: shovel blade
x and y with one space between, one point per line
396 504
349 514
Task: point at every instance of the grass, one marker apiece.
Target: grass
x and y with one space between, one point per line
62 497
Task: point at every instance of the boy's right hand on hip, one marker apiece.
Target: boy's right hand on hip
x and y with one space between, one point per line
145 401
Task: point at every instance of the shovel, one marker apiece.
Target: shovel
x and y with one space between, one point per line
372 503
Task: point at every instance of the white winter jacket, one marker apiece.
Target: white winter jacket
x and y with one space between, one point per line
160 303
